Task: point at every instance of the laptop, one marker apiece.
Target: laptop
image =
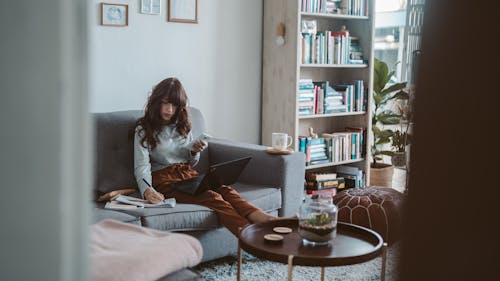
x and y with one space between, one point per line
224 173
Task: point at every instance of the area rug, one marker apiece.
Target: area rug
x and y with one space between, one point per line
255 269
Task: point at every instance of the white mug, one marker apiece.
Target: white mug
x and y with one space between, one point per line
281 141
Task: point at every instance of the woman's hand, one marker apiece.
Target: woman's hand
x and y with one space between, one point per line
153 196
198 146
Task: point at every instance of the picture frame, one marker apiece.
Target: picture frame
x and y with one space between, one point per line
114 14
185 11
150 7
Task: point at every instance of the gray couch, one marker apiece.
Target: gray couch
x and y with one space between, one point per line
273 183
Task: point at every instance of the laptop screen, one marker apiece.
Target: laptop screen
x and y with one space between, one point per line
227 173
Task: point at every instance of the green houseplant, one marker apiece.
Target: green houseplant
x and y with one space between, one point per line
384 94
402 138
399 141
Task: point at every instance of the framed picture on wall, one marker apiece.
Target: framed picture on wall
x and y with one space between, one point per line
183 11
150 7
114 14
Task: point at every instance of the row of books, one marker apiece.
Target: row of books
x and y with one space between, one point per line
321 98
334 147
329 47
347 7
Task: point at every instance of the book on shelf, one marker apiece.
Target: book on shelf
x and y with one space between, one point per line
129 202
321 175
324 184
318 162
362 139
353 176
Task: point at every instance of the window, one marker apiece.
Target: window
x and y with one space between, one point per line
398 25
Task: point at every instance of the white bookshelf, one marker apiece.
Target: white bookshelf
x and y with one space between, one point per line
282 70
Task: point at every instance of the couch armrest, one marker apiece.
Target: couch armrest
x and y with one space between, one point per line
283 171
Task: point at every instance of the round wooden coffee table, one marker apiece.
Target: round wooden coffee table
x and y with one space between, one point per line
353 244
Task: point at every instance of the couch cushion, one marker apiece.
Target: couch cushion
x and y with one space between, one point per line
115 151
265 197
183 217
188 217
99 214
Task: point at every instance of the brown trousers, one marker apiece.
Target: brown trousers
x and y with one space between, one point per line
231 209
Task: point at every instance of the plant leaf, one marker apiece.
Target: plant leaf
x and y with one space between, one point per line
383 141
380 70
393 88
401 95
388 118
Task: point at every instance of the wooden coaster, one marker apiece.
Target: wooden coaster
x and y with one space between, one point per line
272 150
282 229
274 238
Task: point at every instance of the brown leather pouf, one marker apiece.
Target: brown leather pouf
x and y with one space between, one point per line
377 208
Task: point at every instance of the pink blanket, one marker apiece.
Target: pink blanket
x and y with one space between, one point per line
121 251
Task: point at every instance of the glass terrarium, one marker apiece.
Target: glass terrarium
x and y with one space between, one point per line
318 220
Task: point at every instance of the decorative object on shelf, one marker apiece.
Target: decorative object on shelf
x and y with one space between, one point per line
380 173
114 14
309 26
312 134
185 11
317 220
280 34
377 208
151 7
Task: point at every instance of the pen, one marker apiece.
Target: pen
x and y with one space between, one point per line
148 183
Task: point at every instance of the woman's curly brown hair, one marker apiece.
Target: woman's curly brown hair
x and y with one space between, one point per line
152 123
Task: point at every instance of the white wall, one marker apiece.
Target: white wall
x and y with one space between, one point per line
218 60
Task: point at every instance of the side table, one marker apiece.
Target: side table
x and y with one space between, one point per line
353 244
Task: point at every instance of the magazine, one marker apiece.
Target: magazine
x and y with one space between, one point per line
126 202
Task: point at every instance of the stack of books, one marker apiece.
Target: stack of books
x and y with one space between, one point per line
323 183
315 149
306 97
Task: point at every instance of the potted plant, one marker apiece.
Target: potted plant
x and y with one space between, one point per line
402 138
382 114
399 141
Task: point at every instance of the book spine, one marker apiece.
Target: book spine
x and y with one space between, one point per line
323 184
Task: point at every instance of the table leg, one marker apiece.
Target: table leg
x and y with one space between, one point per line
290 267
240 257
384 261
322 274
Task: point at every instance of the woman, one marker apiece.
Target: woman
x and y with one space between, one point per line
162 156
